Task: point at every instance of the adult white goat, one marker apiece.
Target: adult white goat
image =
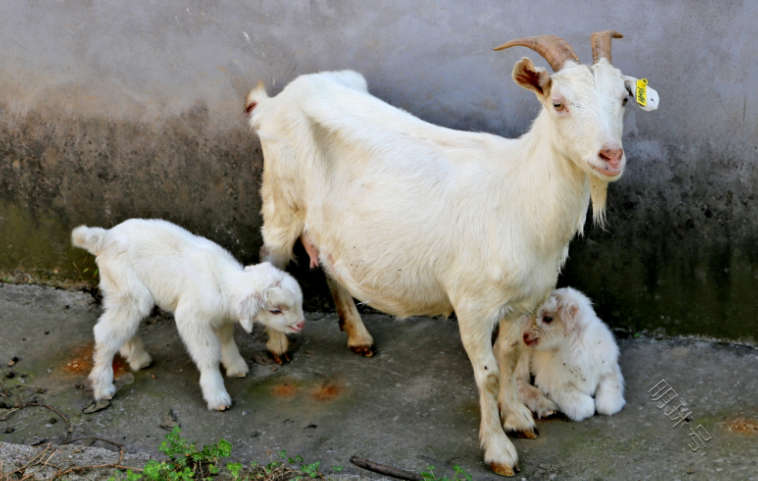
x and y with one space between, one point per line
416 219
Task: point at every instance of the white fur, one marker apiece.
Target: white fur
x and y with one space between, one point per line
417 219
147 262
573 356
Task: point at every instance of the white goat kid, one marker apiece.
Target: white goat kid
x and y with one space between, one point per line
573 356
416 219
147 262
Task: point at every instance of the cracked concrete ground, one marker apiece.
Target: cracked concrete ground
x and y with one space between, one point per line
412 405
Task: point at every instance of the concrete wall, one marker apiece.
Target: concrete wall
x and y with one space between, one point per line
111 110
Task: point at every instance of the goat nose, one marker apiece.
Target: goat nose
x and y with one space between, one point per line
611 155
526 337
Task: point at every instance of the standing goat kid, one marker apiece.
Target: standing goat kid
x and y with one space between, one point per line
416 219
147 262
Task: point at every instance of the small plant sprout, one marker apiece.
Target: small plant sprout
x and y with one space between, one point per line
460 474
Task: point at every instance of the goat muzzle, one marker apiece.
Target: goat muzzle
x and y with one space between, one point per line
553 49
601 44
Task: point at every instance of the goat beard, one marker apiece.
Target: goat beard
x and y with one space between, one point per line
598 194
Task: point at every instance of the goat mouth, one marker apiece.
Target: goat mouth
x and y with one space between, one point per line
295 328
532 342
606 171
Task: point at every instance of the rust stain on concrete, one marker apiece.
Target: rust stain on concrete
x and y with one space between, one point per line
327 391
741 425
285 389
80 363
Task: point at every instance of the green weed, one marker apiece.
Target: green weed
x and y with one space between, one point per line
185 462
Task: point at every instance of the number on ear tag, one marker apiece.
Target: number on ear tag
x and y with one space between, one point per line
642 92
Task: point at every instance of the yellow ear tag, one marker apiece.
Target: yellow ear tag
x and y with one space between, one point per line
642 92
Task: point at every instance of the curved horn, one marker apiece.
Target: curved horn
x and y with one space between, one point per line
601 44
553 49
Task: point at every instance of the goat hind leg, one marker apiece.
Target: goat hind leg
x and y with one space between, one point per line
116 327
358 338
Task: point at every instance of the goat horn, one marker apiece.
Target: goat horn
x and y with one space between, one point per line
553 49
601 44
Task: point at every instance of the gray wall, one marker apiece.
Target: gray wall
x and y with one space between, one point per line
111 110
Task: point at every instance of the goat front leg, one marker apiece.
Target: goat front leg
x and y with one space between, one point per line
528 394
358 338
573 402
277 346
134 353
205 348
515 416
231 358
476 333
537 402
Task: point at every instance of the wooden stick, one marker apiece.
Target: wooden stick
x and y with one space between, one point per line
386 470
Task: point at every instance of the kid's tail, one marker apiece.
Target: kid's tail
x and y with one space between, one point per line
90 238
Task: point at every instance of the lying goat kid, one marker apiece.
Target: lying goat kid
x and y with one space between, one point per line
573 357
147 262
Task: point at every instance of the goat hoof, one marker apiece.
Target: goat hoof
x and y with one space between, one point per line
280 358
534 434
503 469
365 351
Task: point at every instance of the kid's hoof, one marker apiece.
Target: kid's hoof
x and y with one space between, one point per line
365 351
280 358
503 469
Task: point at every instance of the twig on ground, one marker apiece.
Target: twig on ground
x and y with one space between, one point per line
69 430
386 470
68 424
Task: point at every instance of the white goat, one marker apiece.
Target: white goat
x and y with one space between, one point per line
416 219
573 357
147 262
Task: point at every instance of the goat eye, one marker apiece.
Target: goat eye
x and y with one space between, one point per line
275 311
558 106
547 319
625 100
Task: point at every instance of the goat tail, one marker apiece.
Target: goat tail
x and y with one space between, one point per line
89 238
257 95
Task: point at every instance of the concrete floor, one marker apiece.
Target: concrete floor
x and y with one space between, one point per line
412 405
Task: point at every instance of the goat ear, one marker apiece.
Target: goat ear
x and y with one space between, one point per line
247 309
526 75
569 310
651 97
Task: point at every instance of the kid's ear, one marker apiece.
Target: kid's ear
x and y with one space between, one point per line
248 309
537 79
569 310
